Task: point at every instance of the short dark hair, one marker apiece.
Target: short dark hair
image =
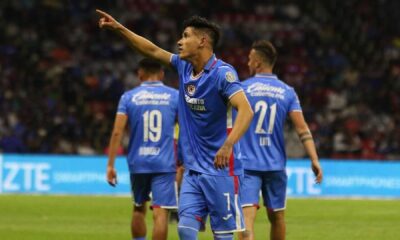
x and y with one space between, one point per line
149 65
266 51
202 24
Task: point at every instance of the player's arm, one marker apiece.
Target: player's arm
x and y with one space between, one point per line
115 141
306 138
138 43
242 122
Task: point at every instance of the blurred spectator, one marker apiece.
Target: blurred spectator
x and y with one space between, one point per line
61 77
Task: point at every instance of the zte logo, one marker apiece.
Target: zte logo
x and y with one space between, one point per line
16 177
304 181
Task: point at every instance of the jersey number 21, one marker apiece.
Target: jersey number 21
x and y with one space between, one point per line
262 107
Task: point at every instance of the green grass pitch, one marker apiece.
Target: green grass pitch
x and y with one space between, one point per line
97 218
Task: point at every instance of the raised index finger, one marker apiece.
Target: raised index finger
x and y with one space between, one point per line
104 14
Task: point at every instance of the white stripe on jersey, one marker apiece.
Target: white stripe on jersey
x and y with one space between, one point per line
237 210
224 67
241 90
176 192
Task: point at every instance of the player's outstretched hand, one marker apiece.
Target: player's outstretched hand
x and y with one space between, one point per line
111 176
316 168
222 157
107 21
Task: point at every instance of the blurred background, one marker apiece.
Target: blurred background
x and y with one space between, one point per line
61 76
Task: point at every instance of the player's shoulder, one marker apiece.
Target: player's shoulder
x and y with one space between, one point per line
249 81
170 89
128 95
131 91
286 86
281 83
178 62
268 82
289 90
226 71
276 81
222 66
257 81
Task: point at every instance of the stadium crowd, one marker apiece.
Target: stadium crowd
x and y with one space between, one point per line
61 79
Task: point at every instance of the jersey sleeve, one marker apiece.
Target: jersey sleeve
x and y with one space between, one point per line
176 99
176 62
122 105
294 105
228 81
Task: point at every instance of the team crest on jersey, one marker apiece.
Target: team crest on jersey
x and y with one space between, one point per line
191 89
230 77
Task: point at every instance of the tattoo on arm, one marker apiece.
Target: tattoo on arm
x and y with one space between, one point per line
305 136
304 139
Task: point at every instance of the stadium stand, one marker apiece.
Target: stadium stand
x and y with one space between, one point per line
61 77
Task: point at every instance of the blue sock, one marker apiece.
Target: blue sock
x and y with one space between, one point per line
225 236
188 228
139 238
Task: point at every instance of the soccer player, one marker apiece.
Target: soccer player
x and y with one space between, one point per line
151 110
208 90
263 148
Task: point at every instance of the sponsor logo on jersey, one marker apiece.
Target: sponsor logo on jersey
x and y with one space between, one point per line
196 104
151 98
227 217
260 89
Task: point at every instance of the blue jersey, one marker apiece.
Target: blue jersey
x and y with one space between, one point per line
151 109
205 115
263 147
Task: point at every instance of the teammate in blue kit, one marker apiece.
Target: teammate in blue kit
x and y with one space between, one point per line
151 110
208 90
263 148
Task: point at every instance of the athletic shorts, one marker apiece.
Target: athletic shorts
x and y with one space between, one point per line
272 185
162 186
216 196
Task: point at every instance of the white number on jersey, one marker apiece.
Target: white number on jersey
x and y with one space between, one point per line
152 125
262 107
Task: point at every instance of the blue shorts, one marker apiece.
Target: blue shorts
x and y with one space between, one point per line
218 196
272 185
162 186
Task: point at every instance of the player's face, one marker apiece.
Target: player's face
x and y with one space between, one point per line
189 44
253 62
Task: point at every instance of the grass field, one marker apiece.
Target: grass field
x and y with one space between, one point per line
97 218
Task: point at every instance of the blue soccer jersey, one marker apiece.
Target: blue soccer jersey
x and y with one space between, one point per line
262 146
151 109
205 115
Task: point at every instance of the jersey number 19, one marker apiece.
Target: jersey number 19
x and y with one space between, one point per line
152 125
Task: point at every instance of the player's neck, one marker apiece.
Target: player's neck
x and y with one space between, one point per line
199 61
152 80
264 70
